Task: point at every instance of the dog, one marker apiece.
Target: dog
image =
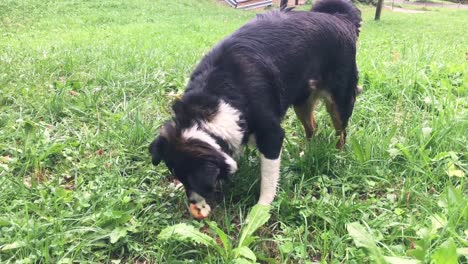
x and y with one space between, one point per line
243 87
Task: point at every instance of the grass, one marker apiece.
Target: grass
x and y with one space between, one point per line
84 86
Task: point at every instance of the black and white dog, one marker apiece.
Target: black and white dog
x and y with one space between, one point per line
242 89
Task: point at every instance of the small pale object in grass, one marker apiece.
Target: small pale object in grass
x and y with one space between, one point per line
426 131
391 197
174 94
176 185
453 171
27 182
74 93
4 167
427 100
393 152
6 159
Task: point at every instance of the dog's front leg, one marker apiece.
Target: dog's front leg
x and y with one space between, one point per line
270 171
269 144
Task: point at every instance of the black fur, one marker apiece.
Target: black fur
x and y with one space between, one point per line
340 8
261 70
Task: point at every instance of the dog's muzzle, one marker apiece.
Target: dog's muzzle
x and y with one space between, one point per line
198 206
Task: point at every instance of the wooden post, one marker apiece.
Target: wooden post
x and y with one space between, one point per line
378 10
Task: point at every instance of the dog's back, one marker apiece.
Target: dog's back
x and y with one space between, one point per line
289 48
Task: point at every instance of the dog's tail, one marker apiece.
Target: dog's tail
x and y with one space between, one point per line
340 8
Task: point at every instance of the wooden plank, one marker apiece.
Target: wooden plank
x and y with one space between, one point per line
254 4
232 3
249 4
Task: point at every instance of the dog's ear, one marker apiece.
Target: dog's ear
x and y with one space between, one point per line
157 149
178 107
159 146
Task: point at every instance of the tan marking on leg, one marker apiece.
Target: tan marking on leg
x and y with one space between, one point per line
313 121
305 113
342 141
337 124
359 90
331 109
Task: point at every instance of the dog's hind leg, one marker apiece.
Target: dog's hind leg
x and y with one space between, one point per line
337 124
305 111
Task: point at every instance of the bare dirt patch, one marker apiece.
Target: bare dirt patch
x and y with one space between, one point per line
402 10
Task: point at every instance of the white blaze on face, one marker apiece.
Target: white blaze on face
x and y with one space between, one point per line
195 132
270 171
224 125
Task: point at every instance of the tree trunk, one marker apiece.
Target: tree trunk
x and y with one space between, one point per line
283 4
378 10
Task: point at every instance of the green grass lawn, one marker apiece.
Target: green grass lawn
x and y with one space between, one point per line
84 85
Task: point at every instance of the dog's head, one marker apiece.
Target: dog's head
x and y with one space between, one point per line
195 160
